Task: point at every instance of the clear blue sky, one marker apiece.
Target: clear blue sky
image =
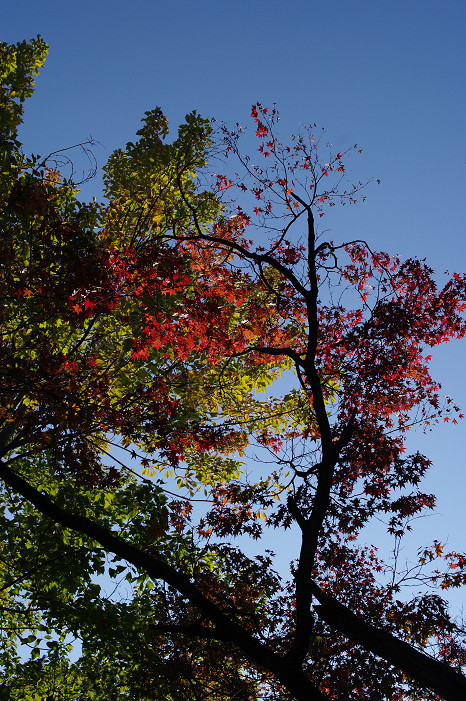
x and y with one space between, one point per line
386 74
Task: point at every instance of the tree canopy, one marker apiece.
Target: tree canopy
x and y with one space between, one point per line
186 369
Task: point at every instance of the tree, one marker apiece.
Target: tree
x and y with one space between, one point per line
155 322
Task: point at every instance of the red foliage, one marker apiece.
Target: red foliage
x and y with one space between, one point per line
355 324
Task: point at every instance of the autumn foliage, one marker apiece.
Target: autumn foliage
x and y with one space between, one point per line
146 435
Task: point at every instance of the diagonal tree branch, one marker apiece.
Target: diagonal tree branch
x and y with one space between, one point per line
428 672
226 628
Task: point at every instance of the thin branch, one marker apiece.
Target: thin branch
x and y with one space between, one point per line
293 678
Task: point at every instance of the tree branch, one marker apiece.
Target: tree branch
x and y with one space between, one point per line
294 679
194 630
426 671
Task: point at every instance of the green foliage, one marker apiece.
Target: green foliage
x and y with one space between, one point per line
143 346
18 65
83 389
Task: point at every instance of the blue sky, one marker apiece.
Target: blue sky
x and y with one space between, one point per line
386 74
